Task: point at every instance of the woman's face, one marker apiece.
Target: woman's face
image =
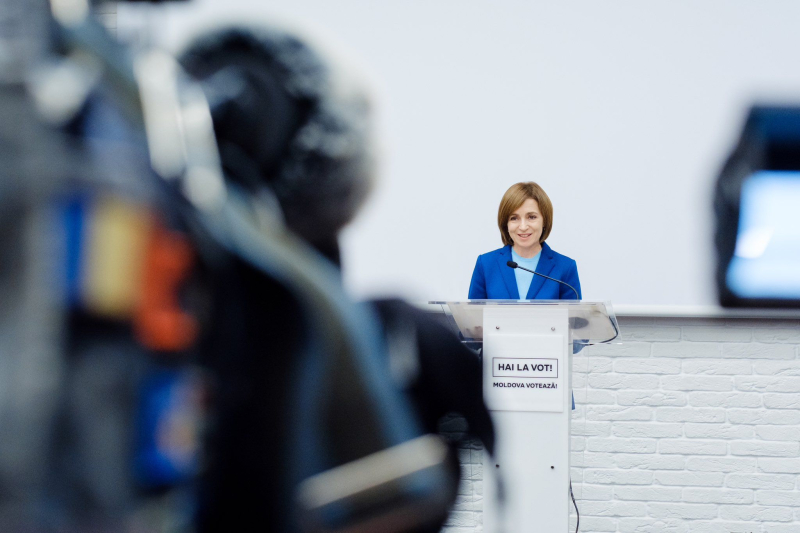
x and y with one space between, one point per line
525 228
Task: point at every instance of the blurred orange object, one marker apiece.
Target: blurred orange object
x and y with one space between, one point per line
159 321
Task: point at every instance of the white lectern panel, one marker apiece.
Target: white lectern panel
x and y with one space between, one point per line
526 350
529 342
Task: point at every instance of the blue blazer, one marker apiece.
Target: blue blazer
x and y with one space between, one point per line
493 279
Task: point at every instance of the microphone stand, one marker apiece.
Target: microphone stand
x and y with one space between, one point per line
513 264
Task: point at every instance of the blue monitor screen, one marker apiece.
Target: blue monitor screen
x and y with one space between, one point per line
766 262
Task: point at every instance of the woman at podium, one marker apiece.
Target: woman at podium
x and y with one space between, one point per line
525 218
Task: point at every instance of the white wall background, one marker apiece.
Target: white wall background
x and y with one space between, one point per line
623 110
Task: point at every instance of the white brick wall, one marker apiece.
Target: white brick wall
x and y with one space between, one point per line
688 426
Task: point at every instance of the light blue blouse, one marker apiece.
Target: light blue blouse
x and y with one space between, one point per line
524 278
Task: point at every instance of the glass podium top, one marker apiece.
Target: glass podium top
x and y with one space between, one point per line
590 322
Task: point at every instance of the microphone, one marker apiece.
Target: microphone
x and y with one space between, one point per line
513 264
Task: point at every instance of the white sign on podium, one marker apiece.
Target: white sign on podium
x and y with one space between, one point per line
525 361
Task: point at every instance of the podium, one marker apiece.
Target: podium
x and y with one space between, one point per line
527 386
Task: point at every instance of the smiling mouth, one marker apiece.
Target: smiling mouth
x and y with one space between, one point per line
524 235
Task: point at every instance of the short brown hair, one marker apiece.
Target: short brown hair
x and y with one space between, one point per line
514 197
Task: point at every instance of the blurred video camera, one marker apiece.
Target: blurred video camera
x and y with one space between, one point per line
176 347
757 199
